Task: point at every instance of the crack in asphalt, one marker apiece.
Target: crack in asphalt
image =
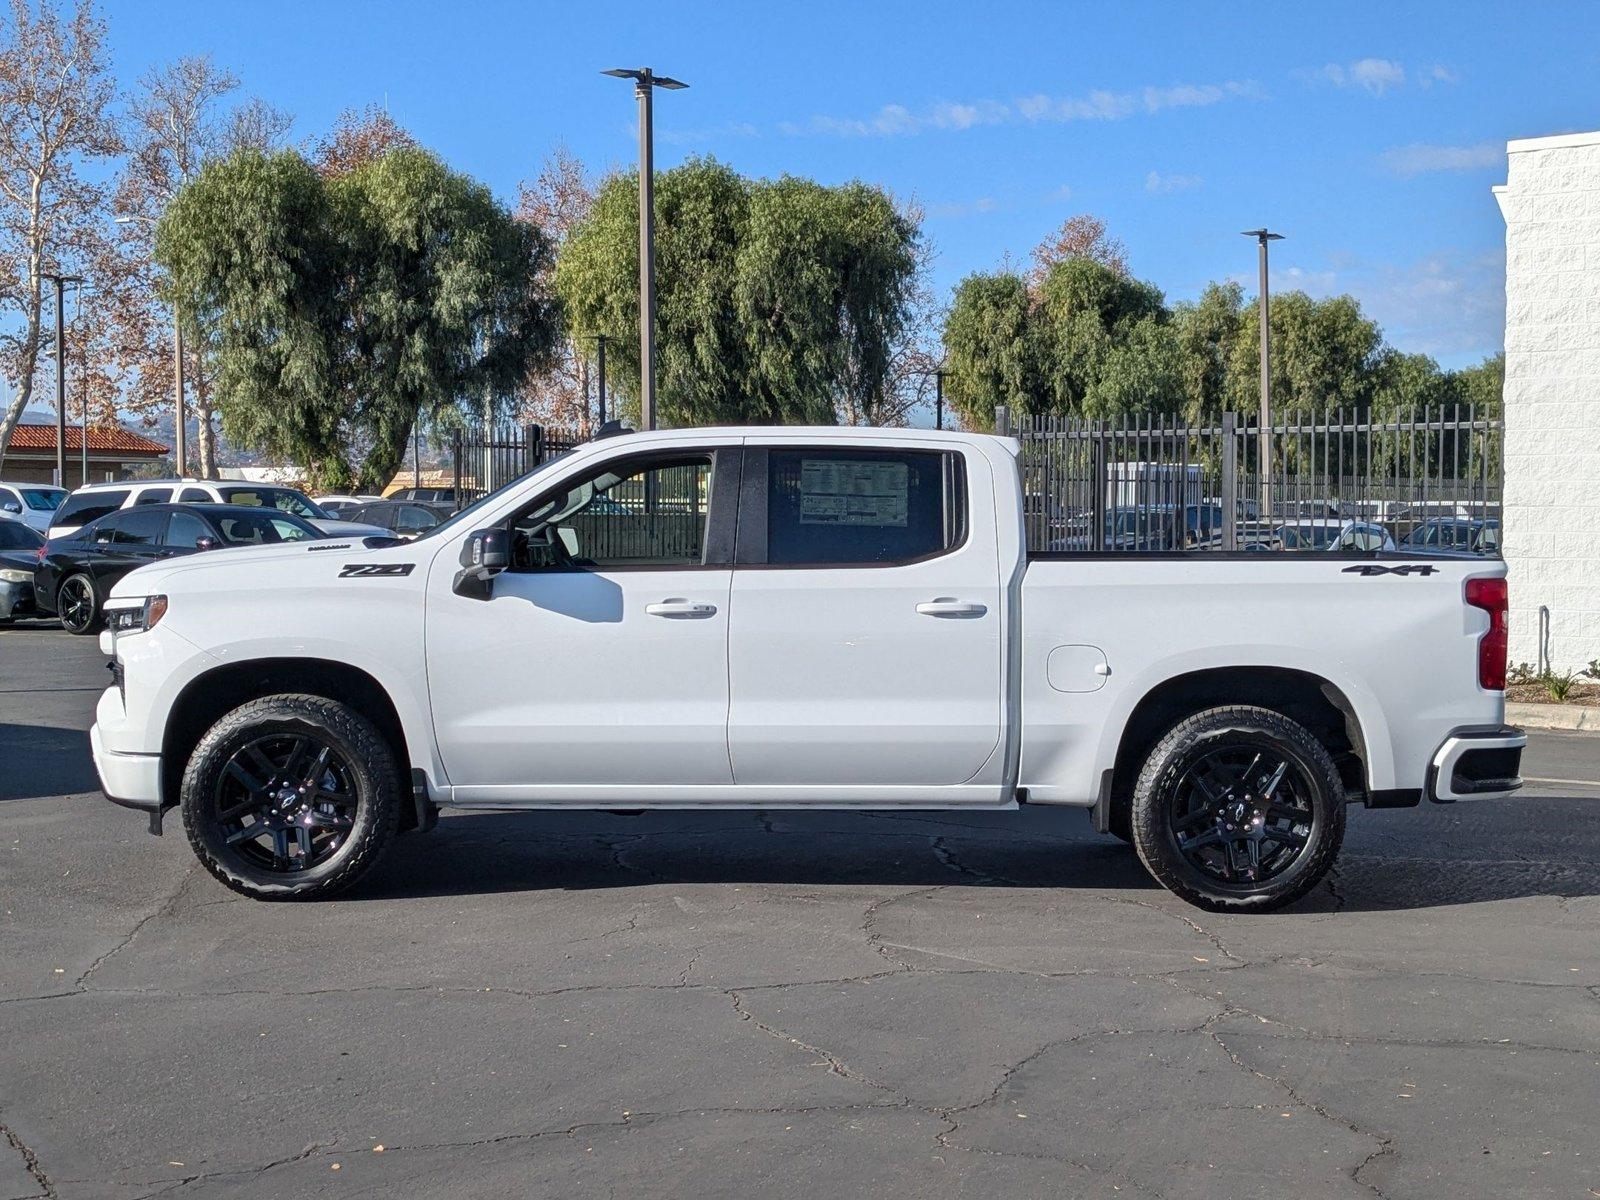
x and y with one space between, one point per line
1385 1142
162 909
30 1162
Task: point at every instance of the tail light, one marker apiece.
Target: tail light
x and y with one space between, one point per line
1491 596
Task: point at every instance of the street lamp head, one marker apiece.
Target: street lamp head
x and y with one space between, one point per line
645 77
1263 235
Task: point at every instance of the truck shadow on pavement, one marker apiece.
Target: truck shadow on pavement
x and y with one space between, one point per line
41 760
488 853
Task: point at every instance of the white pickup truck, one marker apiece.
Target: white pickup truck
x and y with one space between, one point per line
806 618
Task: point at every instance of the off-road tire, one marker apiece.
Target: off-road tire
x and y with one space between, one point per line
1212 729
368 756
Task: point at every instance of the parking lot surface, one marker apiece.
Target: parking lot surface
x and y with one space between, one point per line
787 1004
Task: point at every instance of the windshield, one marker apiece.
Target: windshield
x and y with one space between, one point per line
283 499
461 517
43 499
14 535
256 529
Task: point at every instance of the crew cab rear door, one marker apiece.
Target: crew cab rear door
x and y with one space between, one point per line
865 647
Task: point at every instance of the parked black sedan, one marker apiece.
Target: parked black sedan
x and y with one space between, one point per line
406 518
75 573
19 554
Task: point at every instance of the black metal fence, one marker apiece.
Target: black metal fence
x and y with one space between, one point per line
491 456
1429 479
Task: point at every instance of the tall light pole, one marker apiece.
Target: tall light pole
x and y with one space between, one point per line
600 341
180 448
61 282
938 374
1264 431
645 82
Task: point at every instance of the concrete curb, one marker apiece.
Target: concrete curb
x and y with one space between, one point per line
1573 717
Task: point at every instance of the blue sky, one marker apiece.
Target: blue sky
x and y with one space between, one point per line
1368 133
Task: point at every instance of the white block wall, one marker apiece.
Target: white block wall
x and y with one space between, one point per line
1551 205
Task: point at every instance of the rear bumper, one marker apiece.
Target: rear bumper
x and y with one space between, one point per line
16 600
1477 763
131 780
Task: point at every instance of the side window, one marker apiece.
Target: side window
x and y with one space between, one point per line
412 519
186 530
162 495
194 495
105 531
140 528
868 507
89 506
643 513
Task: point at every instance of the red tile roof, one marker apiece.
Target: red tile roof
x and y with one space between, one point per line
108 439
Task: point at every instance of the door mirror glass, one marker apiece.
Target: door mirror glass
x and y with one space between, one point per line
11 506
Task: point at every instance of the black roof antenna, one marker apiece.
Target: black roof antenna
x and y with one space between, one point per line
610 429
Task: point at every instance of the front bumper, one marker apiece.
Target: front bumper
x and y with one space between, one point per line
131 780
1477 763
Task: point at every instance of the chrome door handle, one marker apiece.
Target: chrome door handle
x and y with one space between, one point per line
675 606
946 606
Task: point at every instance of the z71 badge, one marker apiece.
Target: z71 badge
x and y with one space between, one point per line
350 570
1367 569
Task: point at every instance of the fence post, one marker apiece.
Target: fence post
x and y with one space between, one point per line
1002 420
1230 481
457 457
1097 502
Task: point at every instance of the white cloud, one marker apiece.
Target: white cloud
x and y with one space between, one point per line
1437 73
1161 185
1419 158
983 204
893 120
1376 76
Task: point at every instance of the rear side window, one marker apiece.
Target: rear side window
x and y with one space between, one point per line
862 507
201 496
154 496
89 506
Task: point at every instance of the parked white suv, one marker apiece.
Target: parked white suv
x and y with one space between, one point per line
30 503
95 501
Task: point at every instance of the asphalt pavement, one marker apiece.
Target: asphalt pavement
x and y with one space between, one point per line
787 1004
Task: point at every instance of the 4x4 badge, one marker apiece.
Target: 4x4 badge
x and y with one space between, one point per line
1368 569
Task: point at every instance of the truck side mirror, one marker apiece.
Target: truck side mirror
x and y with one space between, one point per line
484 554
206 543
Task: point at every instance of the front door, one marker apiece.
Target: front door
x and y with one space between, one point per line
600 662
866 647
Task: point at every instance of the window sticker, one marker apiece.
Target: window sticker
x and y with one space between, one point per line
848 491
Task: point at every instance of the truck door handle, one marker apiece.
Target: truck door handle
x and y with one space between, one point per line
947 606
676 606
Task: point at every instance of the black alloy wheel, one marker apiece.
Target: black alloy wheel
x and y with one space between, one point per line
286 802
1240 813
77 605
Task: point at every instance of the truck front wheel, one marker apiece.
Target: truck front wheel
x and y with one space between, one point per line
1238 809
291 797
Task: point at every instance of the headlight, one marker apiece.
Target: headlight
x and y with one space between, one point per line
12 576
137 619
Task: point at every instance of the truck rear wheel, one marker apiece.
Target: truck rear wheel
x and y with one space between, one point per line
291 797
1238 809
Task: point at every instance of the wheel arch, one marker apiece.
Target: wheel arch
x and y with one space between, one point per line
1303 696
210 695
